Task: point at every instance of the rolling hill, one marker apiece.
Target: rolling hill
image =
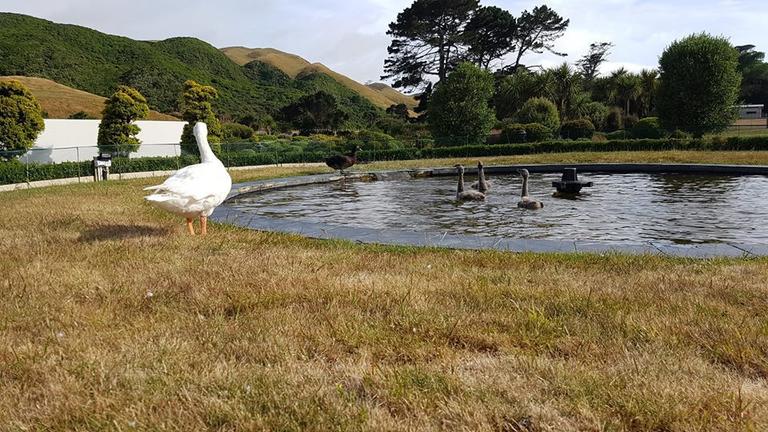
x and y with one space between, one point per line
294 66
96 62
60 101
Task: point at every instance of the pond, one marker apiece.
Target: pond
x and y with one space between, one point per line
663 208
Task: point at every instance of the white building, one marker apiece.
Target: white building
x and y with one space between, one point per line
75 140
750 111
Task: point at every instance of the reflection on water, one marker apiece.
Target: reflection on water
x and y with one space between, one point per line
634 207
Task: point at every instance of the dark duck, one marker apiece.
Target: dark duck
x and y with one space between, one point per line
342 162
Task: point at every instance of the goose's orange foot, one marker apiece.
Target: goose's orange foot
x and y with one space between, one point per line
203 225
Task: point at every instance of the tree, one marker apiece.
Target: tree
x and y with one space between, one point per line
626 91
399 111
489 35
21 117
542 111
537 32
589 65
459 106
427 41
259 121
649 88
117 131
566 89
596 112
423 100
318 111
197 103
754 71
512 91
700 102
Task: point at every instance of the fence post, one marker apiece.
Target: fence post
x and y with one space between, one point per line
26 155
77 152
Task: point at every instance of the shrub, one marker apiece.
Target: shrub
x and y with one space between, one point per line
514 133
459 106
596 112
614 120
618 135
535 132
576 129
648 127
540 110
236 132
21 117
372 140
700 84
80 115
680 135
629 121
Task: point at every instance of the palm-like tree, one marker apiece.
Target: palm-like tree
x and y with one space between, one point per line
627 89
566 88
649 85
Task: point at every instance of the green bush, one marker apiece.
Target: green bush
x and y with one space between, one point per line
618 135
649 127
596 112
236 132
700 82
614 120
577 129
514 133
629 121
372 140
536 132
681 135
539 110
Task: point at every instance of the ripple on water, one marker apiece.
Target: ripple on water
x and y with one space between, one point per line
666 208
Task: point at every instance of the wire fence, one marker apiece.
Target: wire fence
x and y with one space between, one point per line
77 161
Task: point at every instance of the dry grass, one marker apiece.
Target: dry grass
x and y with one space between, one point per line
60 101
112 319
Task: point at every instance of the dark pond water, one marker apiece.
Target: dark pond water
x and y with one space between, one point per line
669 209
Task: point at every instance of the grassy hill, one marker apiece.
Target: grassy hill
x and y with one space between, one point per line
294 66
393 95
95 62
60 101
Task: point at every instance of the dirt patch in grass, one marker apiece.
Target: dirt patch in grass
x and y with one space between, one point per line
111 318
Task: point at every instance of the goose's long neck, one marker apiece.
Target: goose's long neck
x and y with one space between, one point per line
525 187
481 174
460 187
206 154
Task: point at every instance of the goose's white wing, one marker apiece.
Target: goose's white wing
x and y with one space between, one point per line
192 190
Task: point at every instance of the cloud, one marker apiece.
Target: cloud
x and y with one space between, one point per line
350 36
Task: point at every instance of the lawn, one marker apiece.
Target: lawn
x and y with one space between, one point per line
112 319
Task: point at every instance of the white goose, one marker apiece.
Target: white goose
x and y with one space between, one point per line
196 190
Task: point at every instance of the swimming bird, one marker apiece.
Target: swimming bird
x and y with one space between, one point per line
342 162
461 194
527 202
196 190
481 184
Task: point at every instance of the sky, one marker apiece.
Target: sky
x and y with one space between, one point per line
350 36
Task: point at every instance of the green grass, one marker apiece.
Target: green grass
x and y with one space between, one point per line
112 319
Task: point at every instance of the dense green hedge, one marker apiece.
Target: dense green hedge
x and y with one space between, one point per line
16 172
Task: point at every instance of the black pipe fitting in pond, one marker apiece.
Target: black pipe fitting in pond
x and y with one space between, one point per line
570 183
